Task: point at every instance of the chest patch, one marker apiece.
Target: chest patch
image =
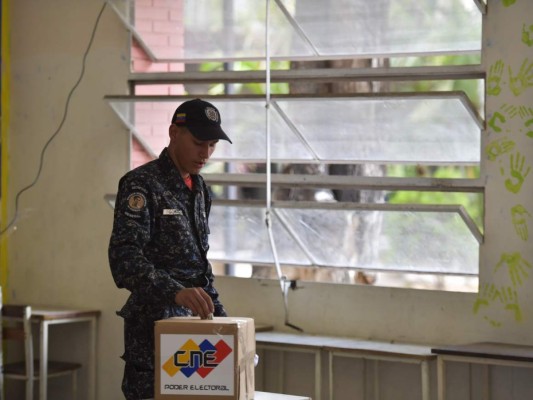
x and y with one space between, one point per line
136 201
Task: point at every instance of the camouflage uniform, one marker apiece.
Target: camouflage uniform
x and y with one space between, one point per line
158 246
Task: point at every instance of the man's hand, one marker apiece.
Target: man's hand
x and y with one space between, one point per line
197 300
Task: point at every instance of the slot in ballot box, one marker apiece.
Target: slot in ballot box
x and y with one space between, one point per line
204 359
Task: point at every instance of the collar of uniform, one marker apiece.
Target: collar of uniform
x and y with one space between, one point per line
167 165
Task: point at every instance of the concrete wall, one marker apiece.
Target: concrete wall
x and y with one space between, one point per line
58 252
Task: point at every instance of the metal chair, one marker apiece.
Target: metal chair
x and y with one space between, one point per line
17 328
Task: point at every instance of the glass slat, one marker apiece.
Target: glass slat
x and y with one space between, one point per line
425 242
421 129
224 30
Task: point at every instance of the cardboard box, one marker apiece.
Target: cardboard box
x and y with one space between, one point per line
204 359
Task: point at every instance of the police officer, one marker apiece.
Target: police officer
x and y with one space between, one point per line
158 247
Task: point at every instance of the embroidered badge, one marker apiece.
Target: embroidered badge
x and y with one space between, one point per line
211 114
136 201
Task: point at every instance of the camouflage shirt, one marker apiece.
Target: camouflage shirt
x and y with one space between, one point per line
158 246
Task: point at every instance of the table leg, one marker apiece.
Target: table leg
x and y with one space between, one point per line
376 379
486 383
441 378
330 374
318 375
425 380
281 371
92 360
43 366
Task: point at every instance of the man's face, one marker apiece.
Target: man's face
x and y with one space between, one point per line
188 153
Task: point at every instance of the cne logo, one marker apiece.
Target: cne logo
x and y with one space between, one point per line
202 358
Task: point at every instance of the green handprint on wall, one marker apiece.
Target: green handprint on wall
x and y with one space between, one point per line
493 122
512 111
509 111
486 295
527 35
519 216
527 124
508 3
509 298
498 147
523 80
525 112
495 77
518 175
516 267
485 298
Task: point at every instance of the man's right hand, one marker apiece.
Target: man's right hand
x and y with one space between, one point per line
197 300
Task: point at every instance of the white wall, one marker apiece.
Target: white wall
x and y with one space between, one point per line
58 253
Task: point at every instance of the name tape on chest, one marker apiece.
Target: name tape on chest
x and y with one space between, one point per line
172 211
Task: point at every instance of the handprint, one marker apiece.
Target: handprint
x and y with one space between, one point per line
498 147
525 112
486 296
495 77
527 35
508 3
519 215
527 125
523 79
493 121
514 184
510 110
516 267
510 298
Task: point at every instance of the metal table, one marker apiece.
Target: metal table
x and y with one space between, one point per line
484 353
45 316
349 347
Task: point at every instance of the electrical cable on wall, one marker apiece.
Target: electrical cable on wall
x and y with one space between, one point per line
54 135
284 283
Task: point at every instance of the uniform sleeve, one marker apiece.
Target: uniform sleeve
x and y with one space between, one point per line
132 229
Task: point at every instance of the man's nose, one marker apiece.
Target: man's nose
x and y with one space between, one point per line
204 151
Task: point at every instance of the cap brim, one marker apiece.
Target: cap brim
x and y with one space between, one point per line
207 132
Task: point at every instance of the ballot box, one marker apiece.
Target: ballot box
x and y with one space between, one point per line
199 359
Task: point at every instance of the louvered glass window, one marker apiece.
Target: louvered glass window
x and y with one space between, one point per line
385 180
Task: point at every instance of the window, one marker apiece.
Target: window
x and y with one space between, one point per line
372 115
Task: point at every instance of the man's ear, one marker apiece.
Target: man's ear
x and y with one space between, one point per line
173 131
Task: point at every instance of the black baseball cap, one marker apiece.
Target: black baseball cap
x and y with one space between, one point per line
201 118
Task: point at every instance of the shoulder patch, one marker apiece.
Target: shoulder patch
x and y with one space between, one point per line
136 201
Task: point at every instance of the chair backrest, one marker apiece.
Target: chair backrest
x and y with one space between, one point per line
16 326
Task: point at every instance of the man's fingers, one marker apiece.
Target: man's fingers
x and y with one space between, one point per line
199 304
208 301
197 300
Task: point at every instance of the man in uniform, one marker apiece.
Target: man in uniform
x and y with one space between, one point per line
158 247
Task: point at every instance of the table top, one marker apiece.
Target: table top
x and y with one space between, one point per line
48 313
500 351
332 343
277 396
